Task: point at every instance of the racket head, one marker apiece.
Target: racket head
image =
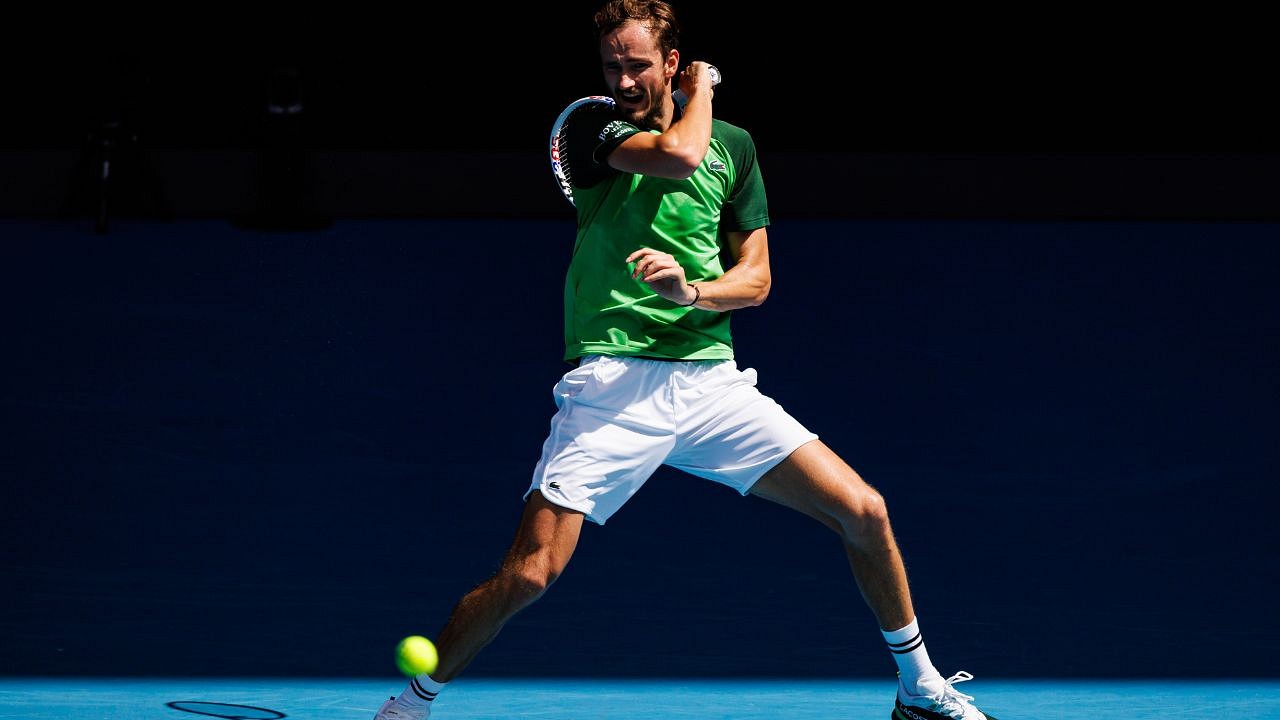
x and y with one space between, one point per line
559 147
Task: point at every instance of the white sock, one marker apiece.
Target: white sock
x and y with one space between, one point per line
422 690
907 646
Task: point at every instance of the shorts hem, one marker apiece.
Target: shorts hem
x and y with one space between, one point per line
764 467
583 508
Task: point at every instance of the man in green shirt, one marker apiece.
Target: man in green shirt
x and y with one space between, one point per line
718 196
662 194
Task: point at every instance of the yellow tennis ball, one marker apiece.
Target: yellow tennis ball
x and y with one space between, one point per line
416 655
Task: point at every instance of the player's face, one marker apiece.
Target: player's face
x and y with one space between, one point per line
638 75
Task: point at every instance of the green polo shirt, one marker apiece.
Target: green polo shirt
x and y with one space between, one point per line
608 312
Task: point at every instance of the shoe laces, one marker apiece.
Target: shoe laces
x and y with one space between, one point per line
396 711
950 701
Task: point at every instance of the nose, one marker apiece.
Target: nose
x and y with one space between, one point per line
626 81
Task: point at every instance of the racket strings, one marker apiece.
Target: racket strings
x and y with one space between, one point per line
560 164
563 143
563 174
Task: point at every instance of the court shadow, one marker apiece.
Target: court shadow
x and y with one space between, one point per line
225 710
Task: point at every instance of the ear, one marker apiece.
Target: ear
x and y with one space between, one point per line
673 64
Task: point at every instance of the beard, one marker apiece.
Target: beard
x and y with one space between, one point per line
649 118
652 120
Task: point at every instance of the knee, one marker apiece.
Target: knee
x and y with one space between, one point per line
530 578
862 510
529 586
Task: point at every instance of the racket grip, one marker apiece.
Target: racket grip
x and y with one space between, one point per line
682 99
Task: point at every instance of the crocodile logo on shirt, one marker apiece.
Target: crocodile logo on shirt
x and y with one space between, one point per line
717 166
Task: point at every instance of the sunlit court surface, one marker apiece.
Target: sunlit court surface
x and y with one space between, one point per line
240 465
492 698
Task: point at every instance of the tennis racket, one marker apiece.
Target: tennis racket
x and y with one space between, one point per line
560 167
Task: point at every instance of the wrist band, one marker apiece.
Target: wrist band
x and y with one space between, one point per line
697 295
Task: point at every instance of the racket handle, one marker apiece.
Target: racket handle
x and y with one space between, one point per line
682 99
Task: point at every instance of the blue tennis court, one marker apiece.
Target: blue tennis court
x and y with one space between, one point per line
329 699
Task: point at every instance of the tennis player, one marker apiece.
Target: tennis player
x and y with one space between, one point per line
660 193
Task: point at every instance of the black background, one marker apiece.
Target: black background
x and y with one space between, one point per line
802 77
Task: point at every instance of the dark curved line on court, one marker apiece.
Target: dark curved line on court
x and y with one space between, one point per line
273 714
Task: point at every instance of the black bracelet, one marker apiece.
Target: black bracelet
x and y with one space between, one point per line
697 295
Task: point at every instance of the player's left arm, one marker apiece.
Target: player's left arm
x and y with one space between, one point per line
746 284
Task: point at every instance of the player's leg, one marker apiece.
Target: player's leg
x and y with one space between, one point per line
815 481
733 434
591 464
544 542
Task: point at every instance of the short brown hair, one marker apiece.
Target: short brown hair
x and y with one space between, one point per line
657 15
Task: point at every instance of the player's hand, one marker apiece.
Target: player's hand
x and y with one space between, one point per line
695 75
662 274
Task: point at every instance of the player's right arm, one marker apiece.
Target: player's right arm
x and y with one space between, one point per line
679 151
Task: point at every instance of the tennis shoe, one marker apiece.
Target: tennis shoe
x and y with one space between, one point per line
940 701
394 710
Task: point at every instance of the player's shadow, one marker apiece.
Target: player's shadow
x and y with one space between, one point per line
225 710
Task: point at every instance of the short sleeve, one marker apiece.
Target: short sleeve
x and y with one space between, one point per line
747 207
594 132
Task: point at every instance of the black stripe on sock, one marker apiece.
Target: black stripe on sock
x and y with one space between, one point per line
904 651
908 642
422 692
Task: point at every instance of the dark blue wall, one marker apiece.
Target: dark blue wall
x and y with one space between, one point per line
229 452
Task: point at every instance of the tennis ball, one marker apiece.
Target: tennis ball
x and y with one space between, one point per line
416 655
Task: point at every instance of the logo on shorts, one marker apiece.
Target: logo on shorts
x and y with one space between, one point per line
553 485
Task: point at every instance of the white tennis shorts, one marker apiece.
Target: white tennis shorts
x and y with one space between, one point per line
620 418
